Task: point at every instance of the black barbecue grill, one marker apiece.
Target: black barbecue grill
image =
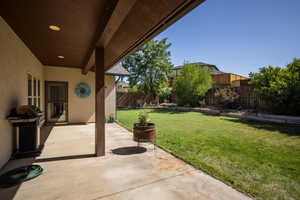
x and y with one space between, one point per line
27 121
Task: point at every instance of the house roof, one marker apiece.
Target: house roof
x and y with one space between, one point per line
214 68
217 72
117 70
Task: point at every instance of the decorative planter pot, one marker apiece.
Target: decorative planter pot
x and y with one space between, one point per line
144 133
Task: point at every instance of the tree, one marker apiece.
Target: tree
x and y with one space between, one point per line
150 67
280 87
192 84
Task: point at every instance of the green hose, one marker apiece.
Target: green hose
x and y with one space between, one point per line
19 175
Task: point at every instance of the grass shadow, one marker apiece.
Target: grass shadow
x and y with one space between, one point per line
291 130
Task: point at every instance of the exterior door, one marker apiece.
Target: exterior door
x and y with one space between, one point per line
56 101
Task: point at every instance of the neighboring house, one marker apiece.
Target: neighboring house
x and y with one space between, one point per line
117 70
220 79
241 82
227 80
213 68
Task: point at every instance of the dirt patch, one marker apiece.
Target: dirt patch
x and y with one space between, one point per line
165 161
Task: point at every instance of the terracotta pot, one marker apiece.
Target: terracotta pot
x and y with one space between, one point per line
144 132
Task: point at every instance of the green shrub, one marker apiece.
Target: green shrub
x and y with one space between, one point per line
192 84
165 95
280 87
133 89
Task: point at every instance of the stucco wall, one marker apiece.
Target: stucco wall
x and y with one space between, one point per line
16 60
82 109
110 96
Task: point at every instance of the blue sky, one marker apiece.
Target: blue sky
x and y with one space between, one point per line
239 36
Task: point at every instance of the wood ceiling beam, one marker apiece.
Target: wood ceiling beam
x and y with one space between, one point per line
136 30
90 64
118 15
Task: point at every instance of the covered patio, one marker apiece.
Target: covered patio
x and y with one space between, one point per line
72 171
63 43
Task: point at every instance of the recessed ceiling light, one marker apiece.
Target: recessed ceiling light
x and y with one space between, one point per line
61 57
54 28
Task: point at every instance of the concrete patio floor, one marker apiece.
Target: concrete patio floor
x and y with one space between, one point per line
72 172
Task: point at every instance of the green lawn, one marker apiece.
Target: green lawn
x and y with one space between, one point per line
261 159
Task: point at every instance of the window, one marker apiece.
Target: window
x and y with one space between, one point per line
39 93
34 91
29 86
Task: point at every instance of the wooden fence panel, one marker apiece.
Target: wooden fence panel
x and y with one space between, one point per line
133 99
248 98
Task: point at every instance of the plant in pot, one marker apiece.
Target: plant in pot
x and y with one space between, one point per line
111 118
143 130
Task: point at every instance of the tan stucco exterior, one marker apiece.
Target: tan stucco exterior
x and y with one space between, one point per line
80 109
16 60
110 96
83 109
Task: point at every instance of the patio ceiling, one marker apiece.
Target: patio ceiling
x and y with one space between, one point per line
119 27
